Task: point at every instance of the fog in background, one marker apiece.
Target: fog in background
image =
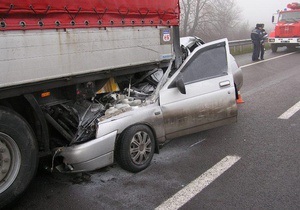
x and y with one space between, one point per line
232 19
261 11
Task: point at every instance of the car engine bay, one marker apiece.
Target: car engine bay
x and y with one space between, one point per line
76 120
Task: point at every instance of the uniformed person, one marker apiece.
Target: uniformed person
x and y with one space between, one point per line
256 37
264 36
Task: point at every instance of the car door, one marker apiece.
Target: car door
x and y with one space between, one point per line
209 99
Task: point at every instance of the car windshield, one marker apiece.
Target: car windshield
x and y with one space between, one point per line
289 16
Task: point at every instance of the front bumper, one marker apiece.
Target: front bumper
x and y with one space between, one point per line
284 41
88 156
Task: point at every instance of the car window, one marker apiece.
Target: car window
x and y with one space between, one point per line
206 63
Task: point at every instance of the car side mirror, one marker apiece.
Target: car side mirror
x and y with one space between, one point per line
180 86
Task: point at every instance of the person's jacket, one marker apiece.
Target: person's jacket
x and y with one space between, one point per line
256 35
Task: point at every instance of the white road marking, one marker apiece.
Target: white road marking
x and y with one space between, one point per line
197 143
196 186
251 64
290 112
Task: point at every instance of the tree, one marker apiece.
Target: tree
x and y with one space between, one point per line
193 14
225 19
211 19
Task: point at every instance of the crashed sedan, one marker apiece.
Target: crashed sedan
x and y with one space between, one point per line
189 43
130 124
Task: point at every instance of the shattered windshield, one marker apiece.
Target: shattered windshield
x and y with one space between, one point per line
289 16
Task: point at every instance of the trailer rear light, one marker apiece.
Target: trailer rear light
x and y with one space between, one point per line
45 94
271 40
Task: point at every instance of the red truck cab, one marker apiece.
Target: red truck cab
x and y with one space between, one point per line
287 29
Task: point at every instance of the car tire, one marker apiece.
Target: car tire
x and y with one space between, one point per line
135 148
18 155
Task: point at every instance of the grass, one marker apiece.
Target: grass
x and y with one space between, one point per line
245 49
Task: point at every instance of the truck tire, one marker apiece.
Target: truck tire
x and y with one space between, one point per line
136 148
274 48
291 48
18 155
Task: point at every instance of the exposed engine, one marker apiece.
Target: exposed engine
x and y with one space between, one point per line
76 120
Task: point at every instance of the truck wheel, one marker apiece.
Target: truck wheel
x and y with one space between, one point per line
18 155
135 148
291 48
274 48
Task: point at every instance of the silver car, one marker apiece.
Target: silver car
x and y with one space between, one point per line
189 43
200 95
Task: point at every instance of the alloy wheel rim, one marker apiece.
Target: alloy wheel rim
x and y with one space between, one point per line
140 147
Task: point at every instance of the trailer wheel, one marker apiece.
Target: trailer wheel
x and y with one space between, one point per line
18 155
135 148
274 48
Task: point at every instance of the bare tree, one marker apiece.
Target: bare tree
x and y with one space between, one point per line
193 14
210 19
225 19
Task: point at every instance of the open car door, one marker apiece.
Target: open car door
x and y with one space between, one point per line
201 93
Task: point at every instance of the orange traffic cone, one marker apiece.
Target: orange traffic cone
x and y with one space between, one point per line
239 100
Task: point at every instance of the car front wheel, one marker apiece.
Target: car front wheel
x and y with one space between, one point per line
135 148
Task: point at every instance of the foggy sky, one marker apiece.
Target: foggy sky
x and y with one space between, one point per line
261 11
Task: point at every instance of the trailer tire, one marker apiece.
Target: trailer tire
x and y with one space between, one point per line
18 155
136 147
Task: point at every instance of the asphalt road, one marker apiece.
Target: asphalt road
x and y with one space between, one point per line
265 175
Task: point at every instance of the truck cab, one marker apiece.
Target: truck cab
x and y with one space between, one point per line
287 29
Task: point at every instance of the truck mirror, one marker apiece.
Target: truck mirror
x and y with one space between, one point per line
273 18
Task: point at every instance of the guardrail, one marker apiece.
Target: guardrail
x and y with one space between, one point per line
240 42
238 46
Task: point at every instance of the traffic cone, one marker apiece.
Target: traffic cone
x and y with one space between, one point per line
239 100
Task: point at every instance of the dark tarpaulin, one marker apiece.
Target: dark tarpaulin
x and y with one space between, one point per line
47 14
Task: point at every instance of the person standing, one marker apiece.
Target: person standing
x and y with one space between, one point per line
264 36
256 37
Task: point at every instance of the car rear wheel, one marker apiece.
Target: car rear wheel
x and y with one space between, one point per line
18 155
135 148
